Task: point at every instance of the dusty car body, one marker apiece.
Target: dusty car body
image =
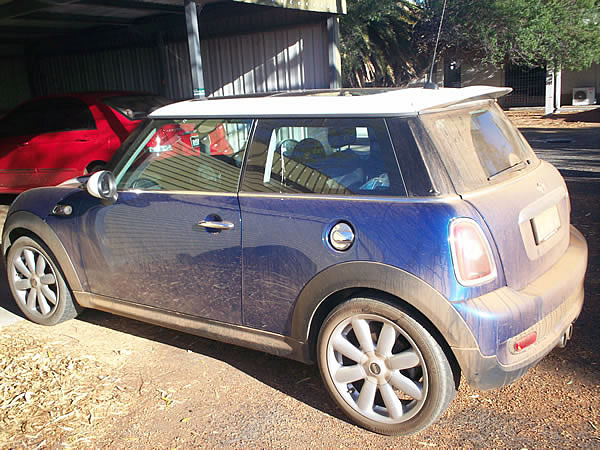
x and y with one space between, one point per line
400 239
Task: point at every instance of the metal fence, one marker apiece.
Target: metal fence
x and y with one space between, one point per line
529 86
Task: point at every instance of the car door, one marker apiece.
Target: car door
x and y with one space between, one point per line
303 178
172 240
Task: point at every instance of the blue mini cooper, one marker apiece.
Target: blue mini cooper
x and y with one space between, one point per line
400 239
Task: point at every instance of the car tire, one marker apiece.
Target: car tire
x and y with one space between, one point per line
37 283
383 368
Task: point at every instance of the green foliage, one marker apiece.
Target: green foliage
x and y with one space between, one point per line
535 33
389 42
376 45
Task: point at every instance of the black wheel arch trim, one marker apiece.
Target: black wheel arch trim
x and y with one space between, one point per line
387 279
33 224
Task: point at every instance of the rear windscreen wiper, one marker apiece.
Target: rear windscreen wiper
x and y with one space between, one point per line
518 166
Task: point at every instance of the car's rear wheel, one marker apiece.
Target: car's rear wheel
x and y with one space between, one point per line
37 284
383 368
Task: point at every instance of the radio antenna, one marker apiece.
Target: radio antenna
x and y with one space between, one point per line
430 84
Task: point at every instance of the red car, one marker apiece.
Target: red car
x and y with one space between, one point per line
48 140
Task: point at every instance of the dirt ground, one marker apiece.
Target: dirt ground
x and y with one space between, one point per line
568 118
106 381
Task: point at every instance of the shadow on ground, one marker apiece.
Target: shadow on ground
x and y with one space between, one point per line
592 116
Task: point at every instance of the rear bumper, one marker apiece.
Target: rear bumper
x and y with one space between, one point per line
547 306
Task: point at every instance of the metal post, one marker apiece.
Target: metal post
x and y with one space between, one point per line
549 105
193 35
335 61
557 90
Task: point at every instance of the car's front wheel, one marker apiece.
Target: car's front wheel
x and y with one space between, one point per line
383 368
37 284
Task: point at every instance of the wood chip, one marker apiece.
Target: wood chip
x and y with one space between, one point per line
46 392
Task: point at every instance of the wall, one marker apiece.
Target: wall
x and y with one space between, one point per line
14 84
160 69
584 78
291 57
472 75
284 59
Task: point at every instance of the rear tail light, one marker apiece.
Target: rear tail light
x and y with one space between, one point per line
471 253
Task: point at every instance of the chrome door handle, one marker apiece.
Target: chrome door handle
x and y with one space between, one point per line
216 225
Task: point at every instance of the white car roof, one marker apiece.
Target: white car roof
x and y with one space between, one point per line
342 103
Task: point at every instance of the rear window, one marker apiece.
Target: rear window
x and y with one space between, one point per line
478 144
136 107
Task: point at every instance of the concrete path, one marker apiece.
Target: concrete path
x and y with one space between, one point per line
8 318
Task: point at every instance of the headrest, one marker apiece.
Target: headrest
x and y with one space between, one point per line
338 137
308 148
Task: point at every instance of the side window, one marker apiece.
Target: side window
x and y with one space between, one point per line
69 114
323 156
48 116
187 155
26 119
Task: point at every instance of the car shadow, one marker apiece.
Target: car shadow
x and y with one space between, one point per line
6 298
298 380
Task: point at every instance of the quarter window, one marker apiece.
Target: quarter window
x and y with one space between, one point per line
323 156
187 155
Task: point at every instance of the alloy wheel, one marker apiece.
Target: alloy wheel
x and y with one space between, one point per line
377 368
34 281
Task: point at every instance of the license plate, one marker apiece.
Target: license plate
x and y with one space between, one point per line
545 225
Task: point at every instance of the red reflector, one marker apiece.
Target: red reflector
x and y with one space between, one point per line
525 342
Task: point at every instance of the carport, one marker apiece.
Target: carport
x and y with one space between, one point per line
176 48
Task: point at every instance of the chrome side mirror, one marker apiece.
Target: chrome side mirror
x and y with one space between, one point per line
102 185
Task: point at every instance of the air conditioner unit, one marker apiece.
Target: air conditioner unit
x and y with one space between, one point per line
584 96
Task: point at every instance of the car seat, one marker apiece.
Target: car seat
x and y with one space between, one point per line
340 137
308 149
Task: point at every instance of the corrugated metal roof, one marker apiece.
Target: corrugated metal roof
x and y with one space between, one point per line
31 20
